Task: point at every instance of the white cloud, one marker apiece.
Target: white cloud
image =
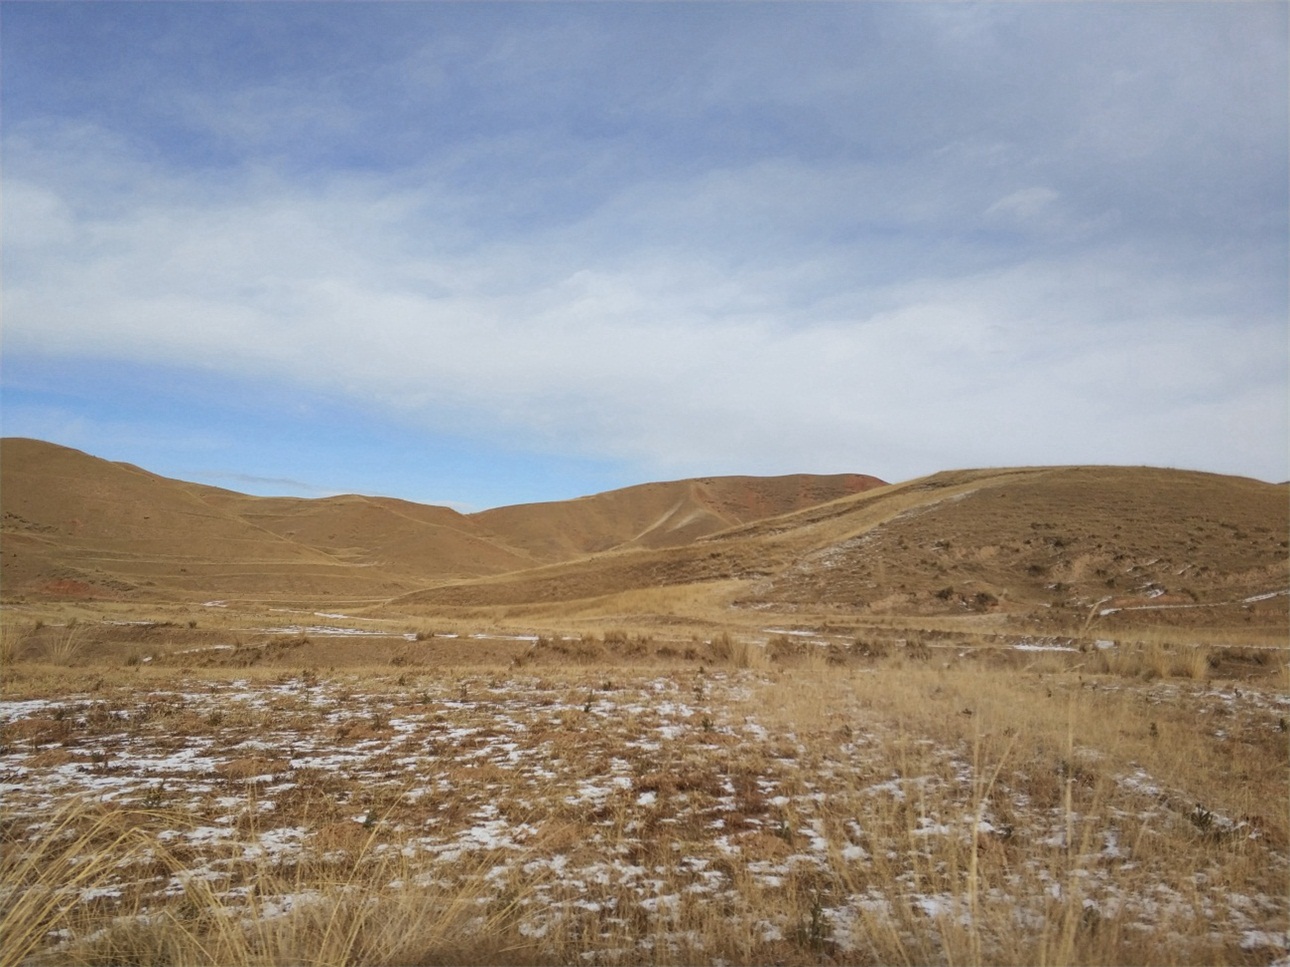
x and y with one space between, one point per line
944 292
42 217
1024 204
666 361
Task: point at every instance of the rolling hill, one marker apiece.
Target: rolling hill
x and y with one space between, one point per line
77 525
1044 547
1051 547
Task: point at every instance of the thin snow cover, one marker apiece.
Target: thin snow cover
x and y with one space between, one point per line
475 774
1165 607
1029 645
1256 939
12 711
1264 597
336 631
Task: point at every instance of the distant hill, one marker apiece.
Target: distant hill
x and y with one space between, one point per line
657 515
1040 547
76 525
1052 547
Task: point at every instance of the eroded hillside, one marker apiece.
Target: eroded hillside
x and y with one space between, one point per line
1053 547
1052 540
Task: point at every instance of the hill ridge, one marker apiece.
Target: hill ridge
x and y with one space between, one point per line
1039 548
401 544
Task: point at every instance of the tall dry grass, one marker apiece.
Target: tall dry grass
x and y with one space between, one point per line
10 643
1069 751
972 814
1154 660
737 651
60 902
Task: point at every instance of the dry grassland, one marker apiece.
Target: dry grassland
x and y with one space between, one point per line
623 799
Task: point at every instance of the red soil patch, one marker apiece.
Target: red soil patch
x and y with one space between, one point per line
68 587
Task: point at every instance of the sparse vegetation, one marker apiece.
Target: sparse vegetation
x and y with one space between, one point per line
64 646
865 810
1024 716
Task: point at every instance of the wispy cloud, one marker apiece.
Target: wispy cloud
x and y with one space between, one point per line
247 481
825 238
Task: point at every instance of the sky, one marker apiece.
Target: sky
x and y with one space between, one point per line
479 254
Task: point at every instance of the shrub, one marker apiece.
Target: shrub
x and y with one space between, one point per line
748 654
915 648
1196 663
10 644
637 646
589 648
66 647
870 649
984 601
782 647
722 647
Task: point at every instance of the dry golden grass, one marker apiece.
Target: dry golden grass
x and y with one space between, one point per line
358 912
888 800
11 636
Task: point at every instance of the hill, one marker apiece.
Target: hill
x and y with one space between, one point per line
659 515
1053 548
1047 548
78 526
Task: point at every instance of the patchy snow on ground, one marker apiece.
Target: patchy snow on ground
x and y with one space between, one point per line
604 802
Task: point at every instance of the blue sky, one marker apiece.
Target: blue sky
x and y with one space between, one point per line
480 254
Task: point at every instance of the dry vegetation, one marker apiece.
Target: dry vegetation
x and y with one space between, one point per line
622 797
1018 716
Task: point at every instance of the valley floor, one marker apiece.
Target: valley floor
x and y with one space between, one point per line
874 809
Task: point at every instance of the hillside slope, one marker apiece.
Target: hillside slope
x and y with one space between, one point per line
1050 545
660 515
76 525
1050 539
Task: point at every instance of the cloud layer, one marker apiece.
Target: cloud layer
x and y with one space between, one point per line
691 239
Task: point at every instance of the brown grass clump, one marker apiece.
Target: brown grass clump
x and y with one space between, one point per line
1155 660
11 637
735 652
